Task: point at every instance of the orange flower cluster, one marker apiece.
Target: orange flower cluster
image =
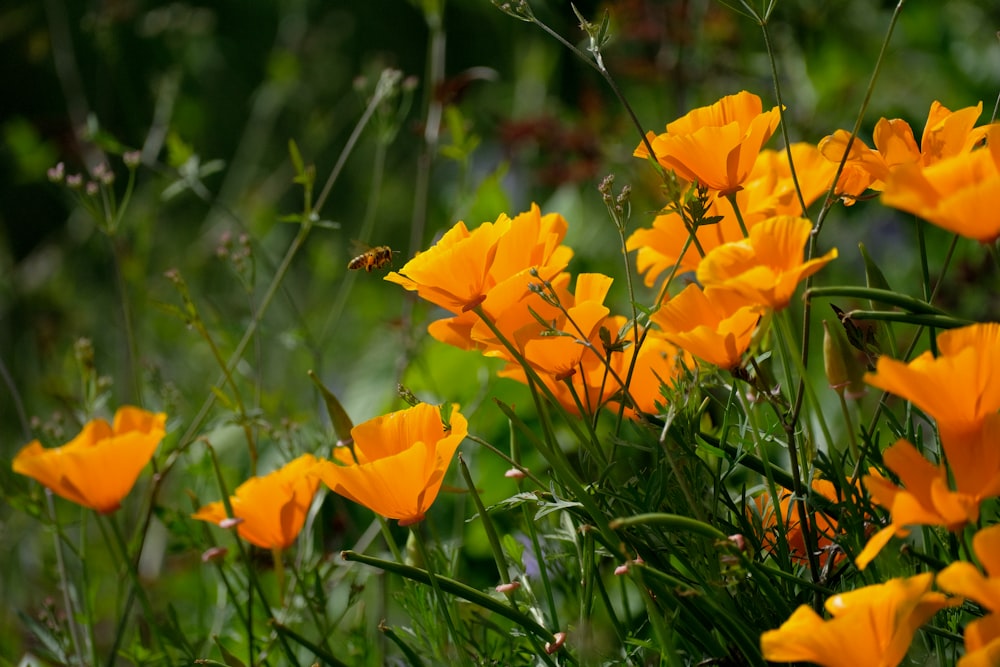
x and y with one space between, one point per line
719 148
510 298
945 180
969 427
394 468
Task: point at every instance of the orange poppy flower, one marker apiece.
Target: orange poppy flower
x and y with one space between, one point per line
713 326
927 498
982 636
955 193
965 366
464 268
766 267
557 354
460 270
946 134
715 145
870 627
398 462
826 527
596 384
99 466
767 192
660 246
272 507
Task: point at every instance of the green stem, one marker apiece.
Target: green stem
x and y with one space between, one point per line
71 615
432 577
491 532
137 586
456 588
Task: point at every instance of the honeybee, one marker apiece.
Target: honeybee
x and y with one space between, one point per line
372 259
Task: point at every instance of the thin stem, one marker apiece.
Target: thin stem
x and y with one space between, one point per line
781 112
71 615
418 539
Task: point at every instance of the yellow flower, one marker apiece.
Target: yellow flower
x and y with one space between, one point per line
715 327
273 507
766 267
958 194
870 627
398 463
99 466
982 636
715 145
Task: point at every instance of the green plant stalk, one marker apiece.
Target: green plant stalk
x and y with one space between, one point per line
411 656
845 411
800 466
902 301
364 236
598 64
456 588
637 339
566 476
531 374
930 321
925 274
595 445
736 632
254 582
119 542
389 541
131 345
432 577
772 489
543 573
731 197
71 613
785 327
681 480
283 630
620 631
299 583
781 109
509 459
309 215
827 207
491 531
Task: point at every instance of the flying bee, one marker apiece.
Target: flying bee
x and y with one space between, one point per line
372 259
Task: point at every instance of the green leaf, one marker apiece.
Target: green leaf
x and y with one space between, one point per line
873 275
341 421
230 659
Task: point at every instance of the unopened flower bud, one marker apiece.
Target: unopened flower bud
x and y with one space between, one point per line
515 473
553 646
508 588
214 554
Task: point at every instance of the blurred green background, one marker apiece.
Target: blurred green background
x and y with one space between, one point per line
229 84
